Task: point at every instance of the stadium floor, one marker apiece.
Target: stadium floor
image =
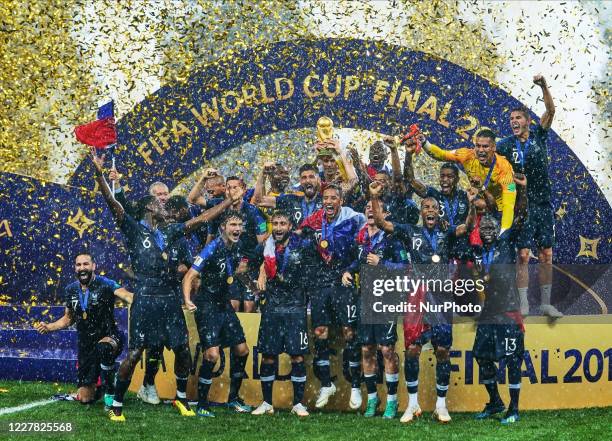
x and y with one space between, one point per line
163 422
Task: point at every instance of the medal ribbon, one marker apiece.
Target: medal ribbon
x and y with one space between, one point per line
229 266
432 239
522 151
374 242
487 259
283 267
83 298
486 182
327 233
451 213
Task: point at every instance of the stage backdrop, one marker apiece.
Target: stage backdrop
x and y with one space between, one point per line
571 371
289 85
359 84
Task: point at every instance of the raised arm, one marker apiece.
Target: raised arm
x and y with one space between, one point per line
416 185
351 175
195 195
396 167
468 226
381 222
115 207
508 199
440 154
208 215
259 195
548 115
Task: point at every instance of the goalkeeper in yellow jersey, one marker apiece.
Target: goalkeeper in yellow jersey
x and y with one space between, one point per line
493 170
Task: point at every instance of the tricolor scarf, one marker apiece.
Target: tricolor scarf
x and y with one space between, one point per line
363 238
271 249
340 234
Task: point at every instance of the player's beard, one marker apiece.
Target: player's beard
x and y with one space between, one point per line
85 276
282 239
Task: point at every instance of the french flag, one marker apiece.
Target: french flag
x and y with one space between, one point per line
100 133
270 250
347 225
270 257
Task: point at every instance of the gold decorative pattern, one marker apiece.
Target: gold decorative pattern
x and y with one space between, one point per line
79 222
588 247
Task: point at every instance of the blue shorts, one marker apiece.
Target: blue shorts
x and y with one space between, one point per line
239 292
88 369
497 341
157 319
539 229
218 326
283 332
379 334
334 305
440 336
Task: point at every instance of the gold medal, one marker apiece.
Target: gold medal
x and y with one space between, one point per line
164 256
486 278
230 280
435 258
84 315
324 244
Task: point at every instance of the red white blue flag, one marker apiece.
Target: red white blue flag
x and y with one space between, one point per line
100 133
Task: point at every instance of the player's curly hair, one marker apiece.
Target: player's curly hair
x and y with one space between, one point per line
177 202
231 214
450 166
140 208
285 214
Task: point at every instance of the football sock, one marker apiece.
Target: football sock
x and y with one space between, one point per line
121 387
106 356
370 382
353 352
392 381
298 380
514 380
487 376
267 377
181 388
204 382
322 353
443 369
152 365
237 374
411 372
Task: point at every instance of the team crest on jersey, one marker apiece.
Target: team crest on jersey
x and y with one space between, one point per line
295 257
